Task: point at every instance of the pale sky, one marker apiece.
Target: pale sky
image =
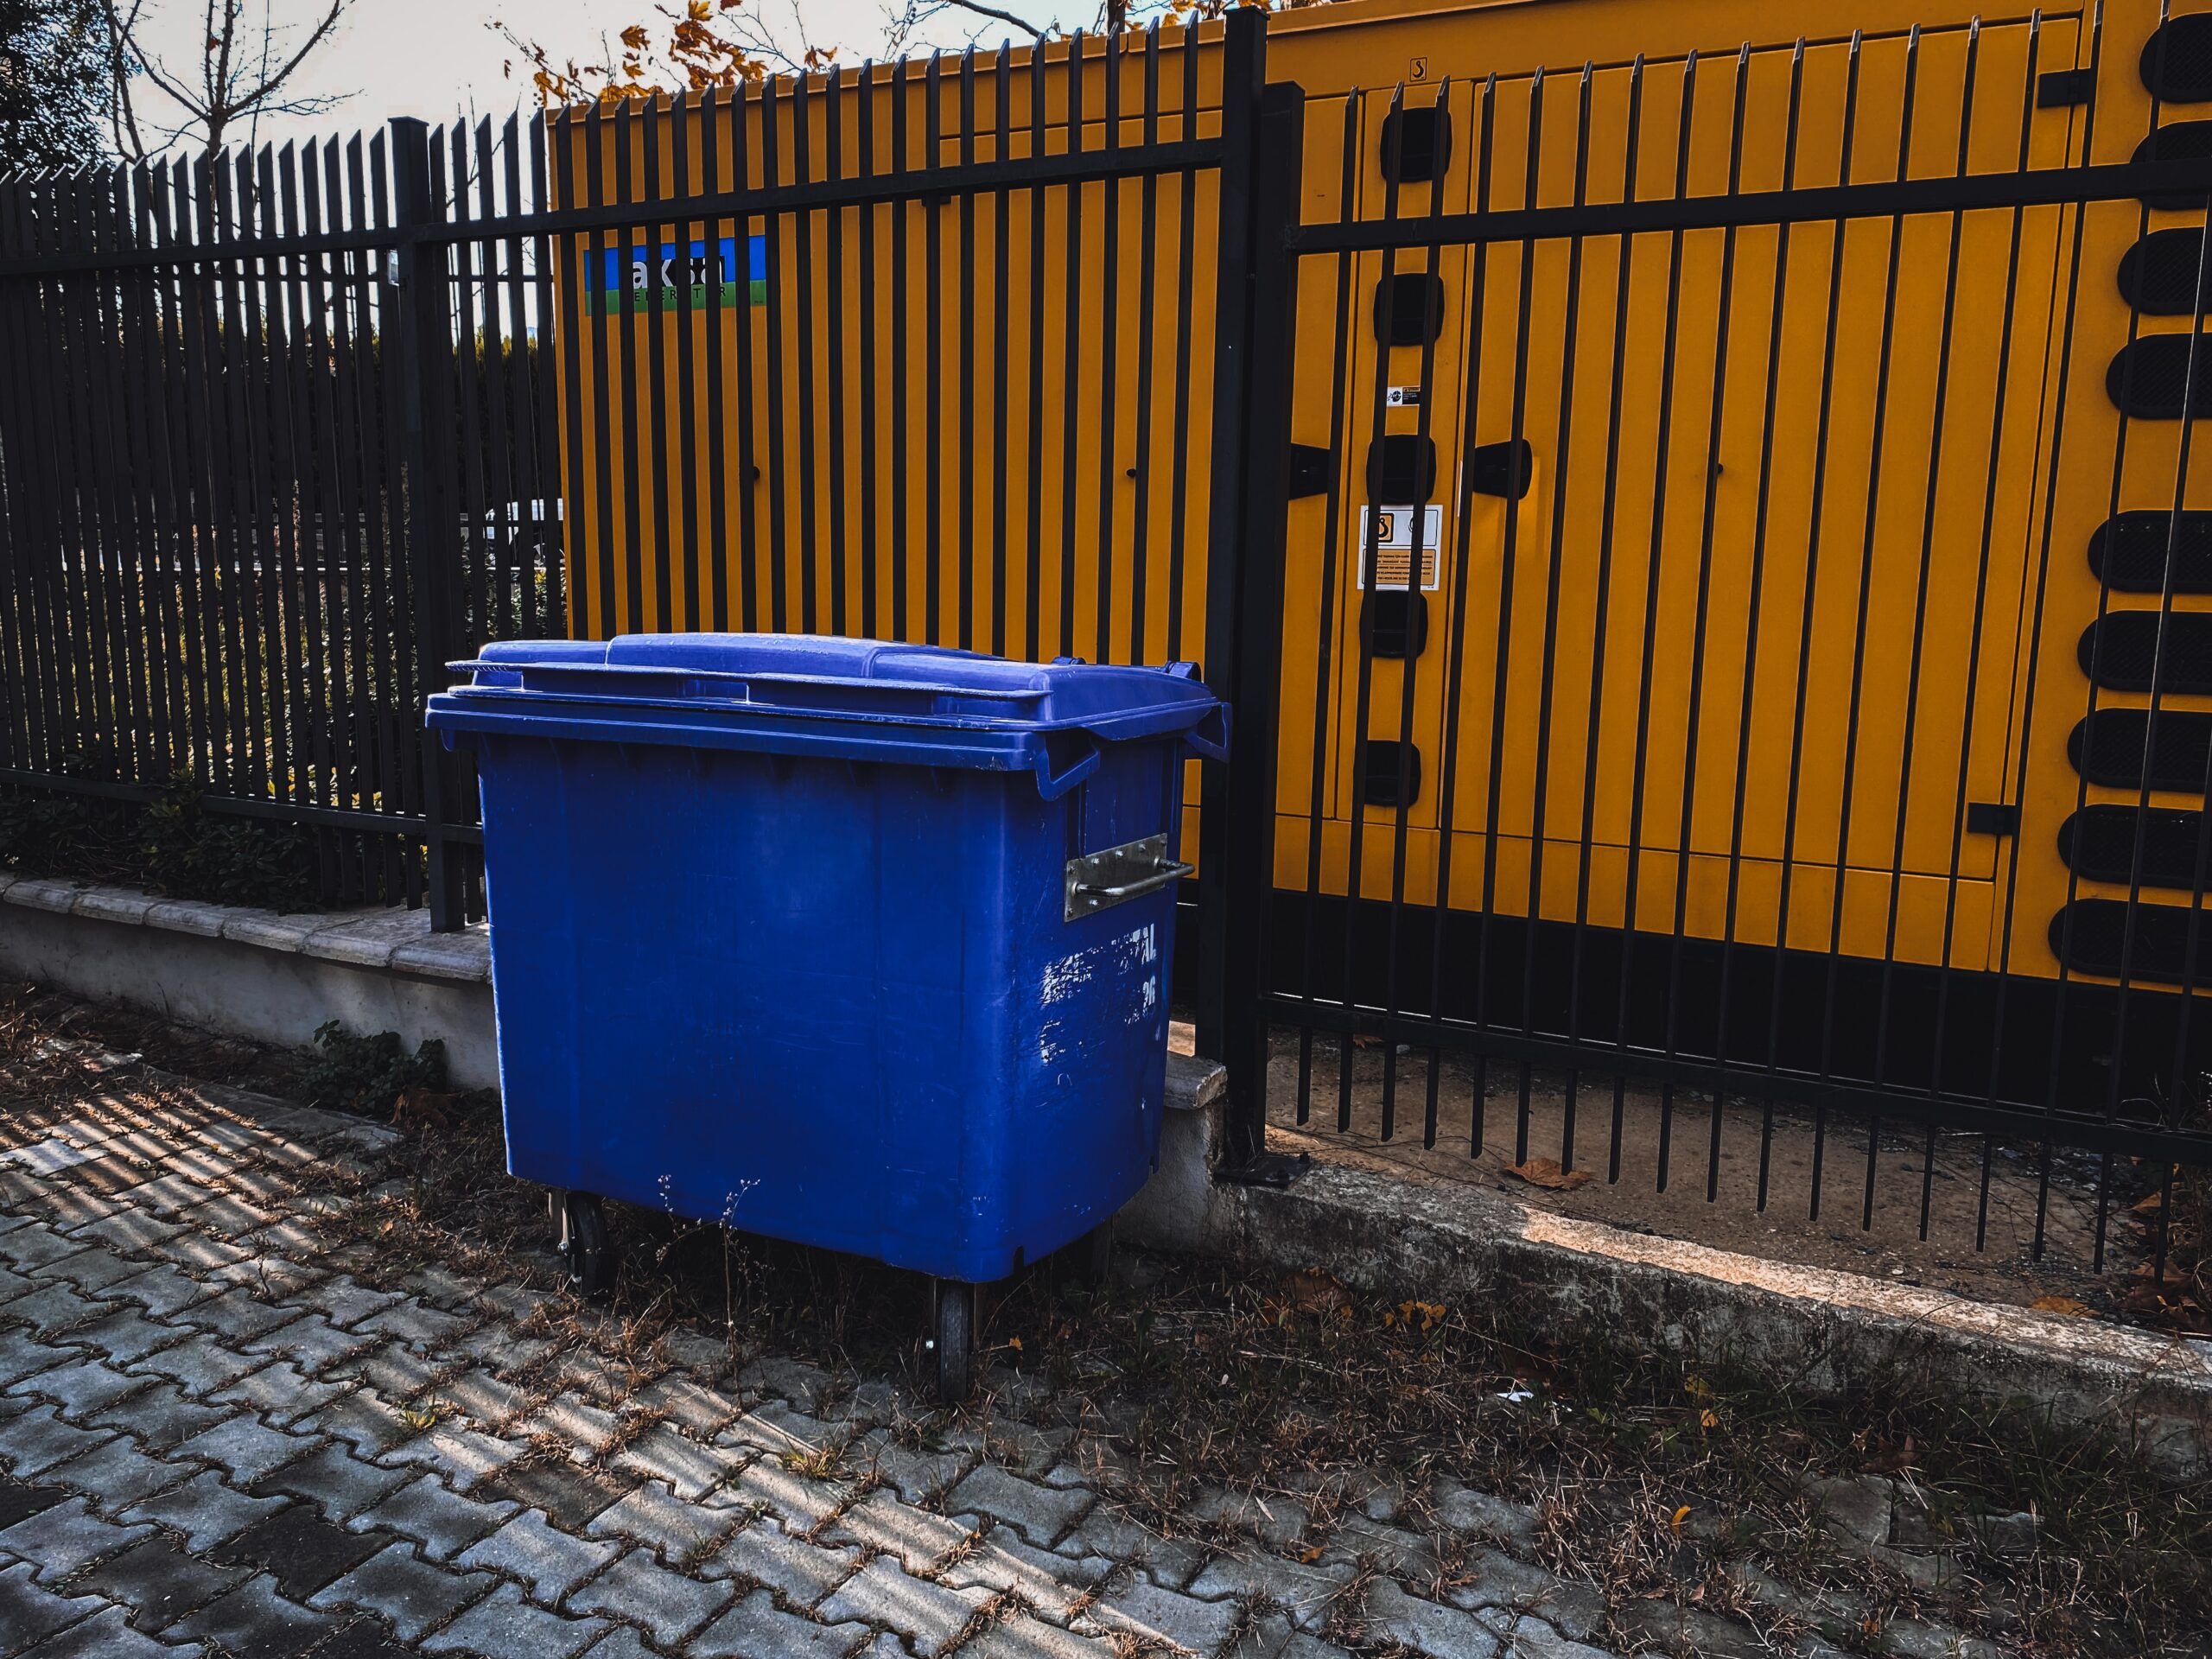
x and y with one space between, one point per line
434 58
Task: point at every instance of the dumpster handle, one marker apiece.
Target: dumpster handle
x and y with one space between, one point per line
1064 760
1165 874
1209 737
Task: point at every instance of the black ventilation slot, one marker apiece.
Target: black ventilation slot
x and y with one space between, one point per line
2118 651
1396 623
1419 141
1502 469
2147 379
2180 141
2161 950
2158 275
1409 309
2177 64
2112 753
1391 774
2098 844
2129 553
1400 468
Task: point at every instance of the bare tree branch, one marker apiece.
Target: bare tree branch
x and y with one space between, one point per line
233 84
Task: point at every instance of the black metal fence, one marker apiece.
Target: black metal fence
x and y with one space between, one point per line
1639 817
277 441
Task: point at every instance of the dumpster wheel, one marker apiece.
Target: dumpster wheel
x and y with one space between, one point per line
582 1242
952 1338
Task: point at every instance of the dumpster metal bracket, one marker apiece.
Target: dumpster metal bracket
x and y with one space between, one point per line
1098 881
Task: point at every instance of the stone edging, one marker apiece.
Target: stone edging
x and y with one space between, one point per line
398 941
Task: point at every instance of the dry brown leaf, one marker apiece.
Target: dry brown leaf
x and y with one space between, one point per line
2066 1305
2151 1205
1363 1039
1889 1462
1312 1291
1545 1172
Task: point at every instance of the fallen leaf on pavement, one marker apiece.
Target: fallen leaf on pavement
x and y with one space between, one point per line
2065 1305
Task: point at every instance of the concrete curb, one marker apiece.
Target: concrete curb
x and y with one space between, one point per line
1813 1329
252 973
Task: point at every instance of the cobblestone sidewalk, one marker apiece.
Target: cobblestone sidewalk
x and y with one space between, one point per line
219 1435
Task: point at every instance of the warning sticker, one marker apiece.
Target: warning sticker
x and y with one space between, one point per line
1386 536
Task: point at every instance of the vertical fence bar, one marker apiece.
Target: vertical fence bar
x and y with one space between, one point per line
425 348
1255 311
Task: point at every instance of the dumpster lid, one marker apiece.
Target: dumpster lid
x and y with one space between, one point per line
845 679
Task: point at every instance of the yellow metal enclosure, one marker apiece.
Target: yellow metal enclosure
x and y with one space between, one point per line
1779 640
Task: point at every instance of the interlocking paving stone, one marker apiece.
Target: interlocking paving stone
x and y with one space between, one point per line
22 1356
107 1635
82 1389
125 1336
1445 1632
438 1520
64 1537
930 1616
300 1550
244 1447
161 1417
366 1638
757 1629
569 1496
199 1365
461 1455
281 1392
160 1290
130 1232
36 1441
19 1501
117 1474
413 1323
621 1643
337 1481
413 1595
28 1612
34 1245
504 1626
204 1509
549 1560
668 1605
1024 1637
803 1502
365 1421
656 1517
92 1270
914 1474
254 1622
238 1317
345 1303
1040 1513
160 1582
1303 1592
53 1308
1151 1614
691 1468
1050 1583
912 1537
802 1573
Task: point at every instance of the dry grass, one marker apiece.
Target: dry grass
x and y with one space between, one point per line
1661 1486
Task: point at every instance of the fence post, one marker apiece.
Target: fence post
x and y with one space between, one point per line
423 361
1260 174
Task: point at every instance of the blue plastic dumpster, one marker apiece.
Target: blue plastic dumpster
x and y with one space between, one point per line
859 945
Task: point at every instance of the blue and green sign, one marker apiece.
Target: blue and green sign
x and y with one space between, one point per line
696 274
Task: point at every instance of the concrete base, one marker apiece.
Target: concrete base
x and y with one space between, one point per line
253 973
1816 1330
